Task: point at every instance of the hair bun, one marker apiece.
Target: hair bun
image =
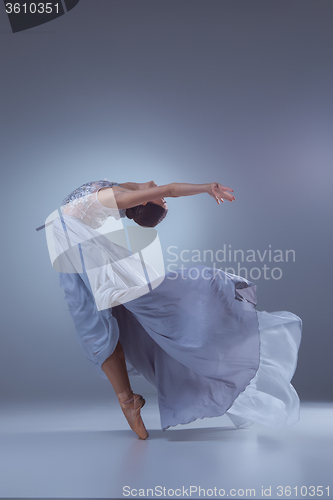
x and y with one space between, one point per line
130 213
148 215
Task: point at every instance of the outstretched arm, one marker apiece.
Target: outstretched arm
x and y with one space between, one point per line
120 197
214 189
137 185
132 186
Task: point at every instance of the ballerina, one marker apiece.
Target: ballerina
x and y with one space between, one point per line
200 342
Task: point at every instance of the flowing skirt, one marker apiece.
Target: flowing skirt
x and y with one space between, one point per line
199 340
205 351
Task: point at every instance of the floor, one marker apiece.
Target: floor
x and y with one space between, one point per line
85 450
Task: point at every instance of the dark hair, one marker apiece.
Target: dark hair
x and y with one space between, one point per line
148 215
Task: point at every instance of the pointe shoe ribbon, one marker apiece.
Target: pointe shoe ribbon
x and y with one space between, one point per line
131 405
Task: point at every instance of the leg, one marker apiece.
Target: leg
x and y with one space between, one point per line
115 370
88 321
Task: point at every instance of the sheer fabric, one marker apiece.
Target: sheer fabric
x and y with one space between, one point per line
270 399
200 342
83 204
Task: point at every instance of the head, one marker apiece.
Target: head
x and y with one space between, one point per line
148 214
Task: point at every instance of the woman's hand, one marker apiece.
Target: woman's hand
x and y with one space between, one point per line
219 192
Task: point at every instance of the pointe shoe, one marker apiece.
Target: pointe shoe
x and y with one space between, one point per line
131 405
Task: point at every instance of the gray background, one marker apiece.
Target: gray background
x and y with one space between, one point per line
193 91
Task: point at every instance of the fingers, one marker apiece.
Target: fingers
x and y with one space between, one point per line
225 187
221 192
228 196
225 195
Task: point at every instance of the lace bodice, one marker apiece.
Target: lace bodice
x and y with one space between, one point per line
84 204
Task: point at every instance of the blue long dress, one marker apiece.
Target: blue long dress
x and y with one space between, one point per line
200 342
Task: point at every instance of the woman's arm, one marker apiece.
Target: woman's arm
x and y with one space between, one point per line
130 185
214 189
138 185
122 198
